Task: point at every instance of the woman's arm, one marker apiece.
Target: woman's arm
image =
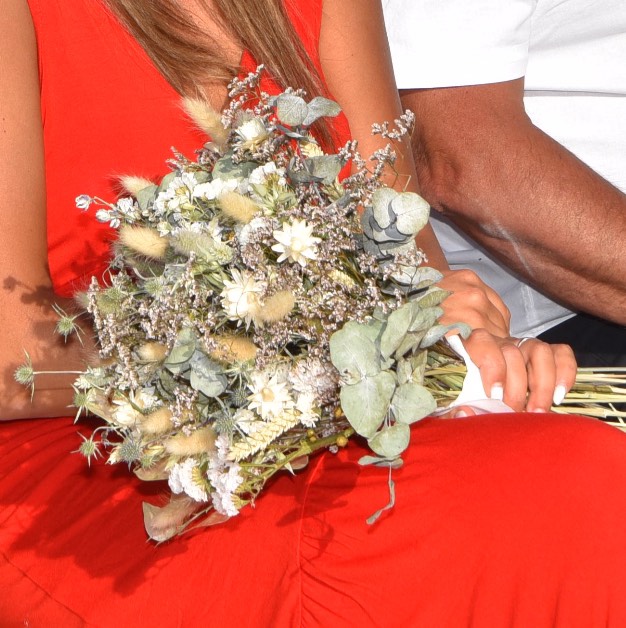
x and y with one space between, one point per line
357 66
26 317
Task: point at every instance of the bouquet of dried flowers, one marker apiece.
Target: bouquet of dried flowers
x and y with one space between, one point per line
257 309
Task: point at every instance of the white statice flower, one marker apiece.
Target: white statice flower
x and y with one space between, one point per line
212 190
270 396
181 480
130 410
177 194
126 207
245 232
224 476
252 132
83 202
106 215
296 242
247 421
262 174
306 405
241 296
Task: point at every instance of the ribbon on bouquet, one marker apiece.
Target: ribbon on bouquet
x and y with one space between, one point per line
472 393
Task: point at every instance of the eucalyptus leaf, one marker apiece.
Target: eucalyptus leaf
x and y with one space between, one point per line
400 247
425 318
411 212
291 109
393 234
324 168
206 375
432 297
396 328
353 352
381 206
366 403
166 180
418 363
391 441
412 402
404 371
183 348
225 168
146 197
410 342
166 384
436 333
377 461
321 107
417 278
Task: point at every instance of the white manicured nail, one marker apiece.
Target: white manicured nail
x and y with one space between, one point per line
497 392
559 394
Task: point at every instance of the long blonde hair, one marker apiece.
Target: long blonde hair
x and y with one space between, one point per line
188 57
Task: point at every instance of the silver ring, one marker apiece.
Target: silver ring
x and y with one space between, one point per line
521 341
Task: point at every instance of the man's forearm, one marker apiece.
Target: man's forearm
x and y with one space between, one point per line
522 195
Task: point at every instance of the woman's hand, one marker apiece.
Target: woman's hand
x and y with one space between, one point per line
529 375
473 302
526 374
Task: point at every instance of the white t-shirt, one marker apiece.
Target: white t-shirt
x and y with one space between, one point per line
573 56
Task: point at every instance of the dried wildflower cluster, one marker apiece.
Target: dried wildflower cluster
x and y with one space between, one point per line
257 309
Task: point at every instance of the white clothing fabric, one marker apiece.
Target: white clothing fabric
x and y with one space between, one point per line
572 54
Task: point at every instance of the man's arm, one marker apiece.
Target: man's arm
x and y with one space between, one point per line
520 194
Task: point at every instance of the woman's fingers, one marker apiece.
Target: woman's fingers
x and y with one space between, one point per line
542 359
502 367
473 302
531 376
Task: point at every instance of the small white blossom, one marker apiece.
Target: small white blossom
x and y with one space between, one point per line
177 193
296 242
261 175
181 480
252 132
270 396
106 215
83 201
224 477
241 296
306 406
128 411
212 190
246 231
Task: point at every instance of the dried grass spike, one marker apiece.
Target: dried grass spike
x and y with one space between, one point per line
230 349
277 307
209 120
198 442
133 185
157 422
238 207
144 240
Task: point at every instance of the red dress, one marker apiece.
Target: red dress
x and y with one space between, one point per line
511 520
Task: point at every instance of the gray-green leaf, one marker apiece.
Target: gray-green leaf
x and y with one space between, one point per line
291 110
412 402
366 403
391 441
354 353
411 212
321 107
207 376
